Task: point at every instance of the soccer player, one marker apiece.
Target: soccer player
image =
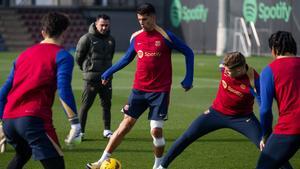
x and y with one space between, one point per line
27 96
280 80
232 107
151 88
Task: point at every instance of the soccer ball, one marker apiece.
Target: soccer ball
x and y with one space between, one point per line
111 163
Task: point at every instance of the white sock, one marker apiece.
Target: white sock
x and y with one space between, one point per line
161 167
157 162
104 156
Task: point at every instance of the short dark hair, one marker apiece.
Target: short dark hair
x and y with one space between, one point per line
234 59
55 23
283 42
145 9
103 16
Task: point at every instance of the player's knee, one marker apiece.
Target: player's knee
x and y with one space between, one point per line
156 133
156 128
159 142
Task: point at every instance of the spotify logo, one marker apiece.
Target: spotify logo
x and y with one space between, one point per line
179 13
175 13
278 11
250 10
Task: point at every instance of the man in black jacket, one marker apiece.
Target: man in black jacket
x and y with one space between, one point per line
94 54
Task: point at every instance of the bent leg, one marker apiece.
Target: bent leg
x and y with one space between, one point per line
117 137
158 140
202 125
22 156
23 150
278 150
53 163
249 126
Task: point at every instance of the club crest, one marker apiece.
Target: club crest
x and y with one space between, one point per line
140 53
157 43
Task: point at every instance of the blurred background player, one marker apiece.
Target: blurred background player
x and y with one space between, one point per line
94 54
280 80
232 108
27 96
151 89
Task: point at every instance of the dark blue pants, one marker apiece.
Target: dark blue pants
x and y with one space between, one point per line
247 125
29 137
278 150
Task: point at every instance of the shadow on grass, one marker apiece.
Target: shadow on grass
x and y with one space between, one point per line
84 150
139 139
228 140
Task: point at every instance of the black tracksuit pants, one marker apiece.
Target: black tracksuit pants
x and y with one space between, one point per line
91 89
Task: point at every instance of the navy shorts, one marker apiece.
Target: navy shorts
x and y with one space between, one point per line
157 102
31 135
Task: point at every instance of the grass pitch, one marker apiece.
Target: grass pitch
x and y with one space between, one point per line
223 149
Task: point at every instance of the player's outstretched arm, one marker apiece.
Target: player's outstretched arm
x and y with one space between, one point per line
124 61
179 45
65 64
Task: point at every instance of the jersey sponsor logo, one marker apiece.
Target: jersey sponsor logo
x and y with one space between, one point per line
157 43
141 54
235 91
230 89
139 43
152 54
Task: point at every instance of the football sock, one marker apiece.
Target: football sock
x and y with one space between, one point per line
161 167
157 162
104 156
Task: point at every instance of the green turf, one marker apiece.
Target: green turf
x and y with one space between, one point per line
223 149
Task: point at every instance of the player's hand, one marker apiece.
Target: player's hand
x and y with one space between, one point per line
104 82
187 88
186 85
264 140
262 144
2 139
74 136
